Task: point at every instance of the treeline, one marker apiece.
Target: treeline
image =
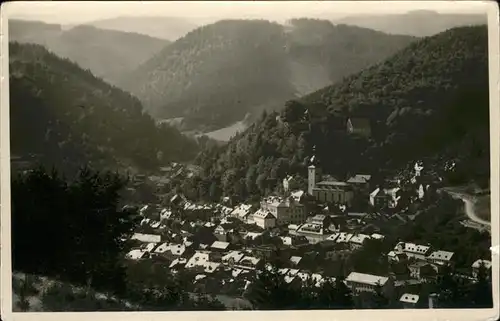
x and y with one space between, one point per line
67 116
428 102
72 230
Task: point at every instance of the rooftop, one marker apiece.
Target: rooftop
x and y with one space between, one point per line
359 179
366 278
441 255
219 245
409 298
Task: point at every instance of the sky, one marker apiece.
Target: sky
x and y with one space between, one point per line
73 12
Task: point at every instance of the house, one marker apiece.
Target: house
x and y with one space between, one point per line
440 257
313 233
388 197
249 263
358 240
286 211
409 301
361 282
219 246
293 240
242 212
264 219
396 256
232 257
421 271
478 264
321 220
359 126
412 250
360 181
344 237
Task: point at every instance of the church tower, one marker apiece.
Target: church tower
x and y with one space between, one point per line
314 172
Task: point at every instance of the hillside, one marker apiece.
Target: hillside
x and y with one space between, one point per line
108 54
218 73
429 101
69 116
421 23
168 28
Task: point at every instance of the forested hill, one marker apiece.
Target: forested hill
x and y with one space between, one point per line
108 54
168 28
428 100
69 116
218 73
421 23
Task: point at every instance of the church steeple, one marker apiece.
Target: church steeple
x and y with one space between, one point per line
314 172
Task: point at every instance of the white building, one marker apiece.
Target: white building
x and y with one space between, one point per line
264 219
440 257
413 250
361 282
286 211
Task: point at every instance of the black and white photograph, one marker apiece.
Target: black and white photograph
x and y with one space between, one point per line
214 156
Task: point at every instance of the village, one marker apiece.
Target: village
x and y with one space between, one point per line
224 245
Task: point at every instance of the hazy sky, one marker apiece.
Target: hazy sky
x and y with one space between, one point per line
70 12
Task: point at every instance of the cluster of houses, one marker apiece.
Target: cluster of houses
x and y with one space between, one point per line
228 254
226 246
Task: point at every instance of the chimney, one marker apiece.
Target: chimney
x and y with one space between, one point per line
432 300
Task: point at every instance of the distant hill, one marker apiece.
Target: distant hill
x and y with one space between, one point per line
429 101
69 117
420 23
108 54
169 28
218 73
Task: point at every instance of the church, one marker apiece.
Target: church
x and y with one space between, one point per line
326 189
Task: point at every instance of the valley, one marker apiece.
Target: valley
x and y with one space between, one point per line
249 164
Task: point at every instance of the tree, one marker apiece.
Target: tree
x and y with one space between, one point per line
82 217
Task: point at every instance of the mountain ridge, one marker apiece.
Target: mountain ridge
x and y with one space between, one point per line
108 54
69 117
418 103
260 62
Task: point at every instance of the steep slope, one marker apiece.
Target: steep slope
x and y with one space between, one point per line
218 73
169 28
420 23
321 53
108 54
429 101
215 74
68 116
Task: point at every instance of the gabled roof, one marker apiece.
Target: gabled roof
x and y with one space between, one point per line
359 179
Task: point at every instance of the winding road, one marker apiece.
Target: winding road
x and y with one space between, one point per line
469 206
